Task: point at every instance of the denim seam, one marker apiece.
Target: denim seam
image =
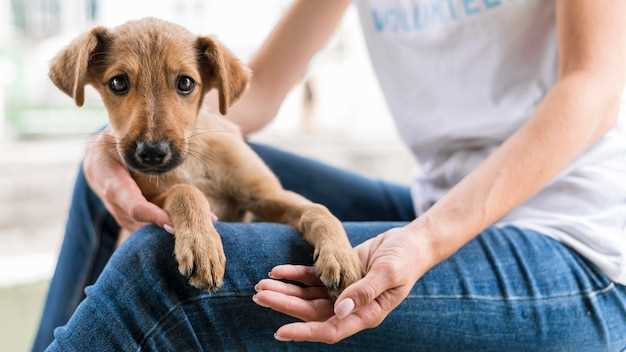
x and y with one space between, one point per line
586 294
182 303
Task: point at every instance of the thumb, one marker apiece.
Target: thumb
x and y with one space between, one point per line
361 293
129 197
144 211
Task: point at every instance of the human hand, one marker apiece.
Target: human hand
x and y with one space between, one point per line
393 261
109 178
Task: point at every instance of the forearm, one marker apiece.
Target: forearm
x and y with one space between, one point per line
283 59
567 122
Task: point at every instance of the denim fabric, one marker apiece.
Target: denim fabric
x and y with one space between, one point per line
510 289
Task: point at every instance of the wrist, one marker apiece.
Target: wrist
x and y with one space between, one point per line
421 243
427 235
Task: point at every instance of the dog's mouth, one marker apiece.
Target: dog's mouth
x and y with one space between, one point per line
152 158
152 170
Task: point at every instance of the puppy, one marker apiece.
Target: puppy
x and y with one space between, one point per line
152 76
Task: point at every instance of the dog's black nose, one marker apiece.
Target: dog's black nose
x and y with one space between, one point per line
153 154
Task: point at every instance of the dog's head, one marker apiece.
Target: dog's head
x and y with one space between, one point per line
152 76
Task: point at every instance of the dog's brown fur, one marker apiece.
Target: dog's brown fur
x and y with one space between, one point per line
218 172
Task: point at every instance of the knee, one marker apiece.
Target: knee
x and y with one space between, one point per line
252 250
254 240
148 252
147 240
147 258
153 246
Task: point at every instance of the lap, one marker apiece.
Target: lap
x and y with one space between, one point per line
508 289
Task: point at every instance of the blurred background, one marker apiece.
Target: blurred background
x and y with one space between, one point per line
336 114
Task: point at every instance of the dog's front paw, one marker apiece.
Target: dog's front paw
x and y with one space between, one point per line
200 257
338 267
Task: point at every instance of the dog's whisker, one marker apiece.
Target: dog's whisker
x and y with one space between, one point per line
203 131
94 142
200 156
106 145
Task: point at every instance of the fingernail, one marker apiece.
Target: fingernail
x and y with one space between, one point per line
270 275
255 299
344 308
256 287
168 228
277 337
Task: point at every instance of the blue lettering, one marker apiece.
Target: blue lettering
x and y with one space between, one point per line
452 10
402 22
379 21
438 11
492 3
420 15
467 5
419 20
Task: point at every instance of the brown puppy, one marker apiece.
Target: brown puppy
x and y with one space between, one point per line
152 76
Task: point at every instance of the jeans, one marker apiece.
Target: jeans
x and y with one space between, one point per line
509 289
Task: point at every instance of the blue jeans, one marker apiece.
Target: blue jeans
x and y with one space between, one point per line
510 289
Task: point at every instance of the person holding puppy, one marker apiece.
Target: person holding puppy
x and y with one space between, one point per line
513 237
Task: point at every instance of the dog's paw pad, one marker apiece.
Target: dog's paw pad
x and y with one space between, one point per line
338 269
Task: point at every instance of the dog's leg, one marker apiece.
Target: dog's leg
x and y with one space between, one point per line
256 189
335 260
198 247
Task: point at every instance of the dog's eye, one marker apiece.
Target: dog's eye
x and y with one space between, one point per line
185 85
119 85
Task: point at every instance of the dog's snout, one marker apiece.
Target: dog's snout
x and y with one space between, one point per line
153 154
152 157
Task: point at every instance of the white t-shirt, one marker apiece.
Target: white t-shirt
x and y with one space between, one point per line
460 76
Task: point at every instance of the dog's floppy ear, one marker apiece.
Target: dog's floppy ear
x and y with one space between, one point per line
69 70
225 72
